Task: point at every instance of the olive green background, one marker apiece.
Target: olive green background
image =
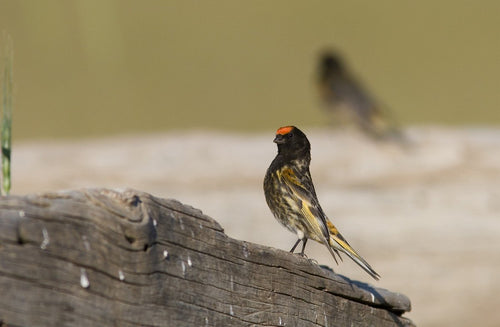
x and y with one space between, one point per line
92 68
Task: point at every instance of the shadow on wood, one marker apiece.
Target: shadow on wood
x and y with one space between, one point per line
106 258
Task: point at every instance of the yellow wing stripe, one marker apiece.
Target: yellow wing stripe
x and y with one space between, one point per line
311 219
288 176
333 230
344 245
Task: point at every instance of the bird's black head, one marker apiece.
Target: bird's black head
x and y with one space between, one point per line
330 63
292 143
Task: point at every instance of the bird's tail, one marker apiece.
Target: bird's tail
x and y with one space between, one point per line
338 242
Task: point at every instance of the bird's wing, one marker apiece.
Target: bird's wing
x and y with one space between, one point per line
306 201
305 198
350 91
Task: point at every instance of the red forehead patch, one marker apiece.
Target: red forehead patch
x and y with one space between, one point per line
284 130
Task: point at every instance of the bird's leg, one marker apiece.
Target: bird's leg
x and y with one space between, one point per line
304 241
295 245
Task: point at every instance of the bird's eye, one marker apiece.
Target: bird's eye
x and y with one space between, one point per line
289 135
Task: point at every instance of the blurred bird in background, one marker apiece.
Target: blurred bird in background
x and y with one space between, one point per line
343 95
290 195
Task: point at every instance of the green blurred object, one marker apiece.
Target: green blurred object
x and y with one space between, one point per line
88 68
7 111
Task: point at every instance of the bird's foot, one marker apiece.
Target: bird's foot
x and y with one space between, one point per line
303 255
313 261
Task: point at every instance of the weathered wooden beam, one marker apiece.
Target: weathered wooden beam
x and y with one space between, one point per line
99 257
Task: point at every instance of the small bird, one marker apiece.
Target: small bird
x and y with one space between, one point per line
290 195
343 94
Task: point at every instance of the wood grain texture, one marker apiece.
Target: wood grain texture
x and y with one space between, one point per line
99 257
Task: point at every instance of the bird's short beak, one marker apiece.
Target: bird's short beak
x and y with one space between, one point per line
279 139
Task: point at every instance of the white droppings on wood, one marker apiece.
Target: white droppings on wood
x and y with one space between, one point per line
155 222
121 275
84 280
245 250
46 239
190 263
165 254
22 213
231 312
86 243
183 266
